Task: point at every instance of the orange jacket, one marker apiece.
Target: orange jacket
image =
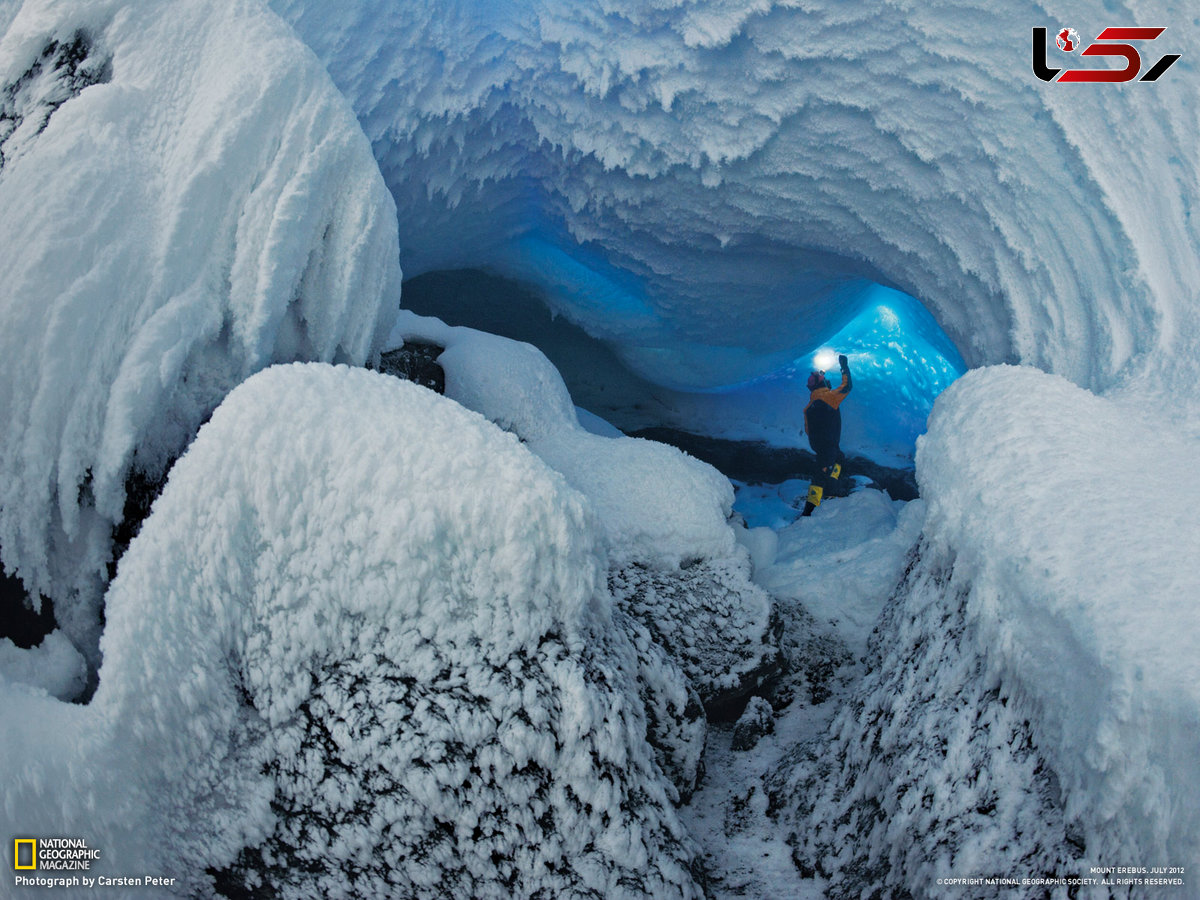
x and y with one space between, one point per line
831 397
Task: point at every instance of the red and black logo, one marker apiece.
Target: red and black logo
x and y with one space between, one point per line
1109 43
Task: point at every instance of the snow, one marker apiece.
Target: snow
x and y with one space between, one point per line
1091 577
657 504
363 645
742 816
842 561
675 563
232 216
654 167
54 665
1030 703
927 771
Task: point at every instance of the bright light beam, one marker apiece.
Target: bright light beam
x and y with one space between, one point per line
825 359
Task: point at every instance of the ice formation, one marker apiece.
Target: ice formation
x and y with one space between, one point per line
365 635
711 188
656 166
186 198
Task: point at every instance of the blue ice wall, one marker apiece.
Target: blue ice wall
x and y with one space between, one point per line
900 358
900 361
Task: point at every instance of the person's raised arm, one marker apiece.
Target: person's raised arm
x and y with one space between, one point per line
844 387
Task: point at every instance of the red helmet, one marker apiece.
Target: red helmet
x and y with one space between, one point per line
816 380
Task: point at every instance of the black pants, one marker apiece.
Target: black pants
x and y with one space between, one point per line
827 457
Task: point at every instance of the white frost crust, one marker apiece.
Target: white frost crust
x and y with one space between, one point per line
656 503
713 173
210 209
1069 537
330 522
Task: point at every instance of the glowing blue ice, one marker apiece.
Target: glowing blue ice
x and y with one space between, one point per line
900 360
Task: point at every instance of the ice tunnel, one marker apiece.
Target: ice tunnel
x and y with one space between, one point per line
688 201
670 174
707 189
900 358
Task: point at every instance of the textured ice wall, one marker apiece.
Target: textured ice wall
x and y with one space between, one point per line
698 181
208 205
1034 691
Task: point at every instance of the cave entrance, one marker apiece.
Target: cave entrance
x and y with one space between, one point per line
900 357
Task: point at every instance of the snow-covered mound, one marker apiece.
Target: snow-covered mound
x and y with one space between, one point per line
676 566
707 183
186 199
930 772
1034 698
656 503
363 647
1071 546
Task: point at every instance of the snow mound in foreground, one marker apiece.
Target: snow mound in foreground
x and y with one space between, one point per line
363 647
1033 701
1067 538
188 203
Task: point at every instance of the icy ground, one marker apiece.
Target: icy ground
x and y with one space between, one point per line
841 564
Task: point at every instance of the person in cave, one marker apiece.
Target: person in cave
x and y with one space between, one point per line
823 425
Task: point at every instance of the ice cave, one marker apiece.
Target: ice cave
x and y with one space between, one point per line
404 445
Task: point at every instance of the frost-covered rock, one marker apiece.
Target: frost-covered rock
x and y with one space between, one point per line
416 362
61 71
363 647
676 726
1032 697
757 720
717 624
186 199
1081 592
929 772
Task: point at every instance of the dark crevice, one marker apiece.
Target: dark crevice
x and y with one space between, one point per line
756 462
19 621
62 71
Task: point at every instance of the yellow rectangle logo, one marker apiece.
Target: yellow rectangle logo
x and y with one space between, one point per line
31 843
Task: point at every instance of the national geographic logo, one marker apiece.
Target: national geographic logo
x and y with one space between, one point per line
53 854
44 862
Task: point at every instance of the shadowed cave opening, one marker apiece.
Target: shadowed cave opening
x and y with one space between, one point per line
899 356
